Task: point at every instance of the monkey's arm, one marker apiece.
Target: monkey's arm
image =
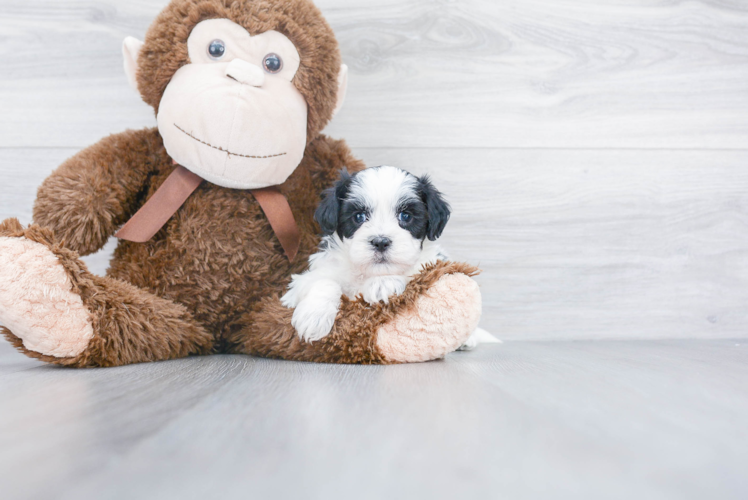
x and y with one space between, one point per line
89 196
434 316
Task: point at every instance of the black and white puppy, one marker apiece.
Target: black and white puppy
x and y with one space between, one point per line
380 228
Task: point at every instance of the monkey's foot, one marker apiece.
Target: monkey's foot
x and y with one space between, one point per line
440 321
38 302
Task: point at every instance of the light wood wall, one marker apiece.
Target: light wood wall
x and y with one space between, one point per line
595 151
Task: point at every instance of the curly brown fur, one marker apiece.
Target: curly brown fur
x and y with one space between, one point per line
130 325
208 281
90 195
218 255
353 339
209 265
165 49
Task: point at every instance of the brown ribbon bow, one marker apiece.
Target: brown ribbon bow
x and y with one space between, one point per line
181 184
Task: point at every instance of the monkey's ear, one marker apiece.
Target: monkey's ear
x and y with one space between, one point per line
342 88
131 49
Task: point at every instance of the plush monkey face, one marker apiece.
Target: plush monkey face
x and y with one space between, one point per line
235 111
233 115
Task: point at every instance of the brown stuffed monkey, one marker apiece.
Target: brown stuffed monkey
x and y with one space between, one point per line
217 205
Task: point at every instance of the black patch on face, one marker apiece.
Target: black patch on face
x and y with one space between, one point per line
437 209
338 214
328 212
347 223
429 212
419 221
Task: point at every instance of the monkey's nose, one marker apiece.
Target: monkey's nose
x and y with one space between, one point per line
246 73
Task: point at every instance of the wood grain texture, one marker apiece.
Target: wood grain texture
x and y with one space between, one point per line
595 155
597 244
581 420
424 73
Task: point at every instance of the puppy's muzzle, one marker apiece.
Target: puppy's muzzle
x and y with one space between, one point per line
381 243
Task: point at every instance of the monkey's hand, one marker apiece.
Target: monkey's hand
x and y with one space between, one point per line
381 288
89 196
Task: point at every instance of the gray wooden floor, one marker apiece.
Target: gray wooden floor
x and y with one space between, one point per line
578 420
596 155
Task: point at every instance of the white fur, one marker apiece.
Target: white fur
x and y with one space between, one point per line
381 189
352 267
479 336
317 301
314 316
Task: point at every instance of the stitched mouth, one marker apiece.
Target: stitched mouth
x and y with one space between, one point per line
225 150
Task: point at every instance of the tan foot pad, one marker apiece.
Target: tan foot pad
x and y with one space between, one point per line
439 323
37 302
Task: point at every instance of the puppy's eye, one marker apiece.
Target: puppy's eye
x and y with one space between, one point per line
272 63
360 217
216 49
404 217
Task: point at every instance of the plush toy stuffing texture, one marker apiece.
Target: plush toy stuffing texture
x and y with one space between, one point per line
37 295
439 321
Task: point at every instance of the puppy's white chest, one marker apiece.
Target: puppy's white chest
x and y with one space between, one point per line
377 288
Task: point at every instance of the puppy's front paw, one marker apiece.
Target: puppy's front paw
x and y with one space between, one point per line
290 299
381 288
314 318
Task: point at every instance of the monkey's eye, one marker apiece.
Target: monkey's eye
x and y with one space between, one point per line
360 217
216 49
404 217
272 63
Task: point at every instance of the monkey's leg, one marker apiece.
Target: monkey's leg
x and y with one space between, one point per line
53 309
435 315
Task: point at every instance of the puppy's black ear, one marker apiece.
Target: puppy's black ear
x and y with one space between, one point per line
437 207
328 211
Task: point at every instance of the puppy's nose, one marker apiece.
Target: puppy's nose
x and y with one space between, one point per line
246 73
381 243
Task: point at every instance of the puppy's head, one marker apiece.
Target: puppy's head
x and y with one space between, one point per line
382 216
